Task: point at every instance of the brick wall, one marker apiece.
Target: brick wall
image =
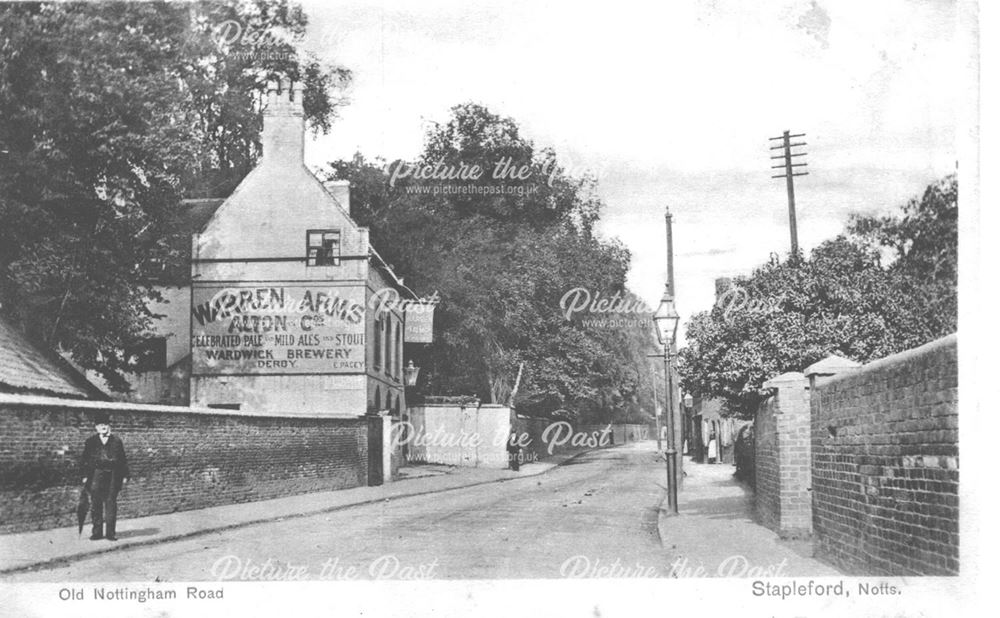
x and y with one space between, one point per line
885 464
794 460
782 457
766 483
181 458
537 448
744 451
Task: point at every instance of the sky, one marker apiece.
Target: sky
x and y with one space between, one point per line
670 104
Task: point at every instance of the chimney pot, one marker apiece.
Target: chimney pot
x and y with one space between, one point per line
283 137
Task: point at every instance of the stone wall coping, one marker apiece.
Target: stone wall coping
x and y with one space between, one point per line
898 358
459 406
125 406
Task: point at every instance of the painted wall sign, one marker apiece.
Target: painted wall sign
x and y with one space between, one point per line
278 328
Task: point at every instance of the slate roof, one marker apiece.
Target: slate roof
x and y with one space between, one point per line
26 370
191 218
195 214
789 376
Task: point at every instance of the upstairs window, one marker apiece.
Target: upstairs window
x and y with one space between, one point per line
387 337
399 354
323 248
378 343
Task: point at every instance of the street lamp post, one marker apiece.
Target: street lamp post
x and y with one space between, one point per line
410 373
687 434
656 414
667 319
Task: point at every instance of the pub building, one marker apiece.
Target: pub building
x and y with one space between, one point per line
284 311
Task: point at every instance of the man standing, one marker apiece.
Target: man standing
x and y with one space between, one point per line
104 470
514 452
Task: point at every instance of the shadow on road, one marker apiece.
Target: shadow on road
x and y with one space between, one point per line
729 507
129 534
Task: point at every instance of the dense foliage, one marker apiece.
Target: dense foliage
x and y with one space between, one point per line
109 114
501 264
886 285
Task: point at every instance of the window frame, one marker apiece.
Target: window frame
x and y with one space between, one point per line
399 352
318 259
388 344
377 357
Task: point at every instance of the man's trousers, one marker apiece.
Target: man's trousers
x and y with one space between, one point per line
103 503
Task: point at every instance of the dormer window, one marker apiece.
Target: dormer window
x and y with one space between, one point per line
323 248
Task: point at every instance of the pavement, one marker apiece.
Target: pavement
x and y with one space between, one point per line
601 513
715 534
28 551
593 516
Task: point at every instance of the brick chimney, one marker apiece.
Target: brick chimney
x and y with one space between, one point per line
283 138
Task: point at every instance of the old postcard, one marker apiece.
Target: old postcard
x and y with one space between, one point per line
472 308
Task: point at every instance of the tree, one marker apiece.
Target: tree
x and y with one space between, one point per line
501 263
231 50
541 193
887 285
922 247
109 114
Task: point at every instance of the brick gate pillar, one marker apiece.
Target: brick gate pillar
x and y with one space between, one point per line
793 445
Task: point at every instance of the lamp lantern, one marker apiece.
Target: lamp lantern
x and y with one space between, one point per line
666 319
410 373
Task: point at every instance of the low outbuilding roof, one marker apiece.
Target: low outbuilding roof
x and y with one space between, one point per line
26 369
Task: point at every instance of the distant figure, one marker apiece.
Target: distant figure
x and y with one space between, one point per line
514 452
104 470
713 449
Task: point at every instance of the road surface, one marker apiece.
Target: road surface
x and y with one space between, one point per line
595 516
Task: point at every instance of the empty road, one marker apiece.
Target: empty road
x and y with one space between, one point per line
594 516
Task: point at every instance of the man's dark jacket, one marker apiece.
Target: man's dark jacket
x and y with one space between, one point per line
110 456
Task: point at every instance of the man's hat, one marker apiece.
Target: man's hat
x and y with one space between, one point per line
102 418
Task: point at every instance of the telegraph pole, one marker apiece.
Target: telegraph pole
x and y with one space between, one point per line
786 145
